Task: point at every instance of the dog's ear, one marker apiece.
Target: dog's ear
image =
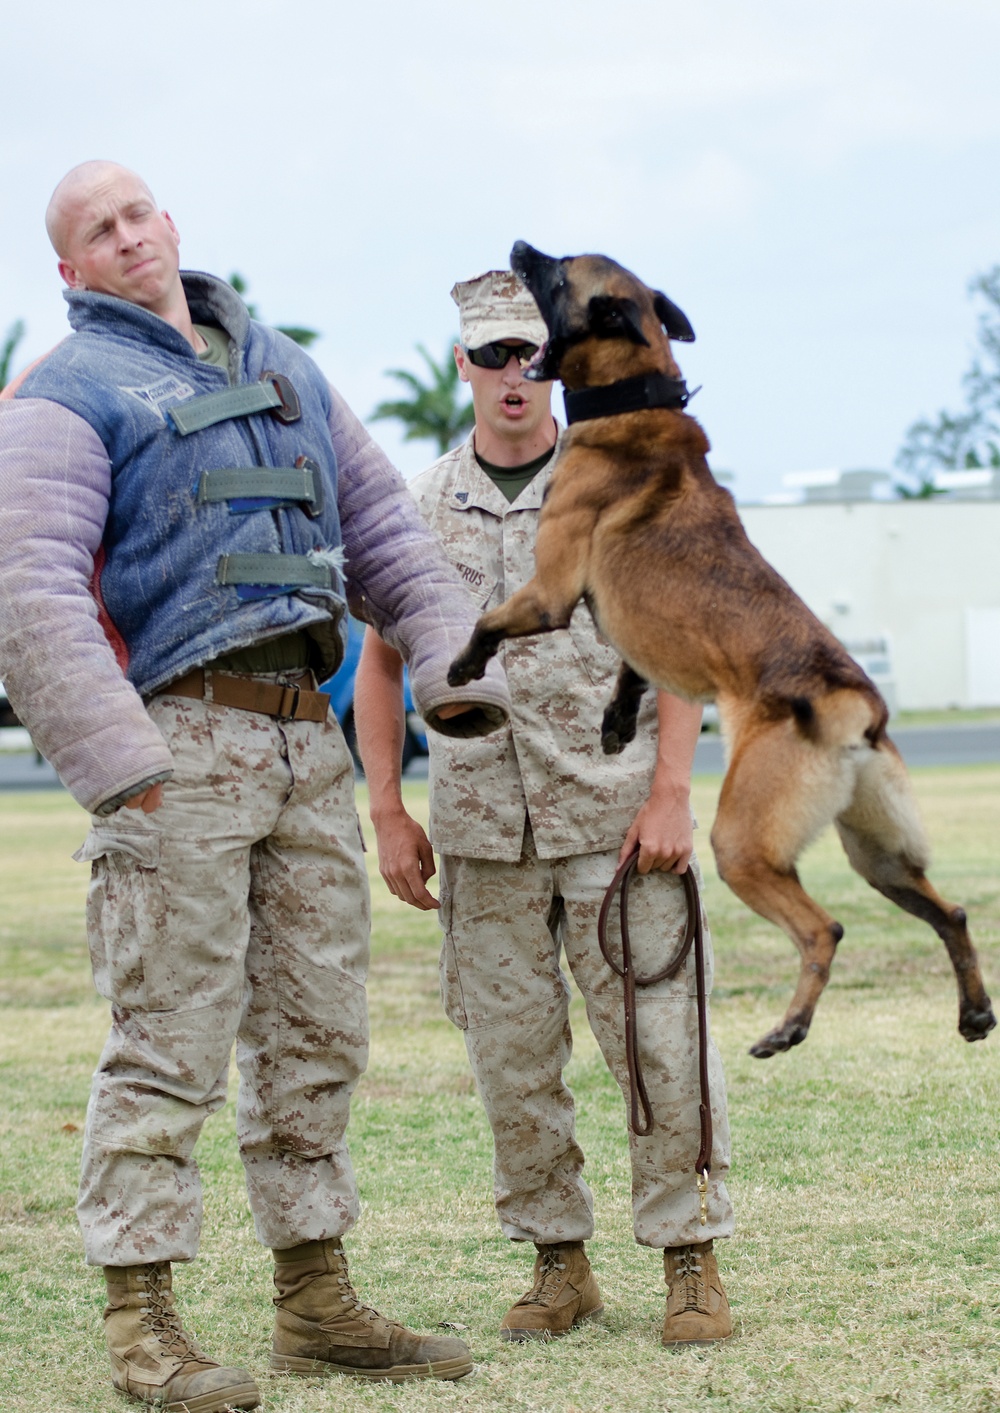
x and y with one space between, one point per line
674 320
611 318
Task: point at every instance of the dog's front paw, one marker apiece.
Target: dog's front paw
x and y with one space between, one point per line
616 733
463 670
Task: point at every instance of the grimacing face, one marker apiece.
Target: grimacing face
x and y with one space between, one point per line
113 240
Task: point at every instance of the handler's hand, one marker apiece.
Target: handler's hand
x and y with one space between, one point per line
664 832
147 800
454 709
406 860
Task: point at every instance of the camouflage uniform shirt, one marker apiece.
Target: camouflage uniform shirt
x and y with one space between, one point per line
547 764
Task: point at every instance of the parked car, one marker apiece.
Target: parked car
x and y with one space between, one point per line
7 715
340 689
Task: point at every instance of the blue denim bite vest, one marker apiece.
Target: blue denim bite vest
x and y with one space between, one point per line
206 549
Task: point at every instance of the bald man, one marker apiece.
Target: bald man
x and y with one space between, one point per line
189 507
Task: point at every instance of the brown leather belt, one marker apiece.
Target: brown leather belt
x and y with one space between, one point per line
286 701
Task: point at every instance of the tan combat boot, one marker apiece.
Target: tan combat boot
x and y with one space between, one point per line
321 1327
564 1293
697 1307
154 1359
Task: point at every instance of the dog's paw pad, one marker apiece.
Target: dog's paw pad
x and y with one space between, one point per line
763 1050
976 1025
779 1040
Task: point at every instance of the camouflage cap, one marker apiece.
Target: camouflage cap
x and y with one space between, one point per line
497 306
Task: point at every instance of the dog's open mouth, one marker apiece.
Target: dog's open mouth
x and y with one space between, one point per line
536 360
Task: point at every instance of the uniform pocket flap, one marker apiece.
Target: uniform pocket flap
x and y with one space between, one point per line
99 843
478 582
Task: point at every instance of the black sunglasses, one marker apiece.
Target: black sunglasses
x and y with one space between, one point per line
497 355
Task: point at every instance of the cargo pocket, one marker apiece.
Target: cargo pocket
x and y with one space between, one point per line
126 914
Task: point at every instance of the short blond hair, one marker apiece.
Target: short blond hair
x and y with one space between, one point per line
78 178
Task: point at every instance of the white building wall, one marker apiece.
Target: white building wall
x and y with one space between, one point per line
924 574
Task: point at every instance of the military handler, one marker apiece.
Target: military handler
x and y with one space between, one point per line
531 824
188 506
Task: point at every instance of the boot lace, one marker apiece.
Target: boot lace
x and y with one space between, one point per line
160 1318
349 1296
688 1283
547 1282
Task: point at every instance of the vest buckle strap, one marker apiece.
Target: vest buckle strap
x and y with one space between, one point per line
274 393
283 571
252 483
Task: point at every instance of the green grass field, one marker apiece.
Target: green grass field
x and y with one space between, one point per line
865 1273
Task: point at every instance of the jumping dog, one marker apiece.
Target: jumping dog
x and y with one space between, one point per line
635 524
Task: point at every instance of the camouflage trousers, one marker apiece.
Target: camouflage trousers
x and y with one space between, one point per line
506 927
237 911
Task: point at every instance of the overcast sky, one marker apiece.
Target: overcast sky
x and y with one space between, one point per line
814 184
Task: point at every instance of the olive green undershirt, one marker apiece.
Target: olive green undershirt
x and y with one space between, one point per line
291 651
217 352
513 479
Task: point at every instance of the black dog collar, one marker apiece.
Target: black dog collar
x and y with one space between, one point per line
630 395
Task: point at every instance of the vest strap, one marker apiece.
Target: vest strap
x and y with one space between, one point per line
200 412
273 570
294 483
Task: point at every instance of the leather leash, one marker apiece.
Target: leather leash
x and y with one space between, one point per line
694 934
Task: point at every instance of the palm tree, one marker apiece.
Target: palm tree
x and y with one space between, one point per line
434 411
12 338
966 439
295 332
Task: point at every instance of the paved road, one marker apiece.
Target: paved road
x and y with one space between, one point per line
968 744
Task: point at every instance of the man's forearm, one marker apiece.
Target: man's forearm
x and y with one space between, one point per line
679 726
380 723
662 828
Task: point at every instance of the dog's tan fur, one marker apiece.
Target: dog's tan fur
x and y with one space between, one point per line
635 523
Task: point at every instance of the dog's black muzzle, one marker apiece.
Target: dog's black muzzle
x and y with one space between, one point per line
545 277
539 272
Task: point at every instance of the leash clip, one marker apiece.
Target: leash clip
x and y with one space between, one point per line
702 1185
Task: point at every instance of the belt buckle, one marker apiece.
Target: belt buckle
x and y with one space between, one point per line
286 687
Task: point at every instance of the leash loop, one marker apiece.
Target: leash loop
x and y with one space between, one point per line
642 1124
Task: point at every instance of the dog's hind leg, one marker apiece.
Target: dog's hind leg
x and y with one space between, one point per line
622 712
884 841
779 792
